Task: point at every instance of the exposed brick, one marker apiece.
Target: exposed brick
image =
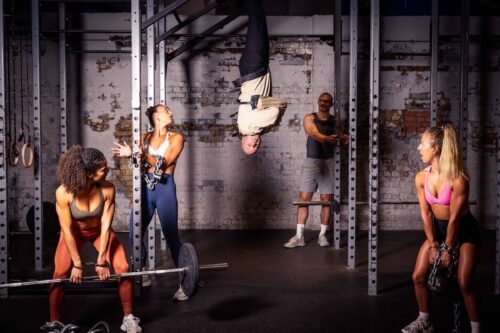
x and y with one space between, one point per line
219 187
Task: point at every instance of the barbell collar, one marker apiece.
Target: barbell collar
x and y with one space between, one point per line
214 267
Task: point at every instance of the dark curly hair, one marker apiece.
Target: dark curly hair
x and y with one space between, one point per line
152 110
76 164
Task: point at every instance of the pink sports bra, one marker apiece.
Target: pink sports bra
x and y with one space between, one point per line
443 199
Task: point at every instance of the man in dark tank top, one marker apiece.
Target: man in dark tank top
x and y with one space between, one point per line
317 170
316 148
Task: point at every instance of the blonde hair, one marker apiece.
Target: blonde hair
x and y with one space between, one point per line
451 162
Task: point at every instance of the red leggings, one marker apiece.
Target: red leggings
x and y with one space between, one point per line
63 265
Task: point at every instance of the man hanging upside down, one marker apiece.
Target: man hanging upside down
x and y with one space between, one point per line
258 112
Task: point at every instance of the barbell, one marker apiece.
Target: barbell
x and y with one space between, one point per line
188 272
334 204
314 203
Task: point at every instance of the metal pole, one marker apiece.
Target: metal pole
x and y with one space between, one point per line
353 105
4 227
151 54
37 133
164 35
136 135
161 56
151 102
163 89
169 9
464 76
374 146
434 59
337 23
497 255
85 31
191 43
62 77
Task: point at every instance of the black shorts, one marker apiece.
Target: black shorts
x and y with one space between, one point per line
468 230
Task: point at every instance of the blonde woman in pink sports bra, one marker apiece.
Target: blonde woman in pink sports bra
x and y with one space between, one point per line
443 195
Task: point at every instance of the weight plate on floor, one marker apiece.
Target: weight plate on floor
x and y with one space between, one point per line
189 279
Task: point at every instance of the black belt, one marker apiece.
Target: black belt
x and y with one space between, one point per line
254 99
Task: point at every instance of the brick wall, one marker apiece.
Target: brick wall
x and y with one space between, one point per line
219 187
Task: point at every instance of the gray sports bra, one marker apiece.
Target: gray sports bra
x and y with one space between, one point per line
81 215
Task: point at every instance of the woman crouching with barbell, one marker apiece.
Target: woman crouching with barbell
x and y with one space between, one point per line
451 230
85 204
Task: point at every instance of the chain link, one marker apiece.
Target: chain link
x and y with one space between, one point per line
456 313
435 280
441 284
134 161
157 172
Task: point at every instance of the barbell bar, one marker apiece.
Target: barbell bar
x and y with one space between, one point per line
334 204
210 267
330 203
188 272
314 203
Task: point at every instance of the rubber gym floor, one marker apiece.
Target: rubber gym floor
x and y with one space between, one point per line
267 288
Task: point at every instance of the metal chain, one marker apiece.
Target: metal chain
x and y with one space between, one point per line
456 313
58 327
451 275
134 161
453 252
157 173
431 280
451 271
150 183
100 327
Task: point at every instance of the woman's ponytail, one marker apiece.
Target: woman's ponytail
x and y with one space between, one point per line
451 162
71 169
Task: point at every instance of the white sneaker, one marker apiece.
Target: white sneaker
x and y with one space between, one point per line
130 324
294 242
418 326
322 241
180 295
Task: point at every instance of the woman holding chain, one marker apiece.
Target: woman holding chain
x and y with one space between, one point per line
450 228
158 154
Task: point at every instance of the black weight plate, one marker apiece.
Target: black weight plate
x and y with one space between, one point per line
190 278
50 219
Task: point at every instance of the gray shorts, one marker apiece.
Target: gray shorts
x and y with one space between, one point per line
317 173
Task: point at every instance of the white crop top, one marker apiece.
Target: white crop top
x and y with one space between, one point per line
162 149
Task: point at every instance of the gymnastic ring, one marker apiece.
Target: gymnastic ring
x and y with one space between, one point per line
27 146
13 153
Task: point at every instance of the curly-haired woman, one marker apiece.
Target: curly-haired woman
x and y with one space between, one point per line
85 204
159 151
443 194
